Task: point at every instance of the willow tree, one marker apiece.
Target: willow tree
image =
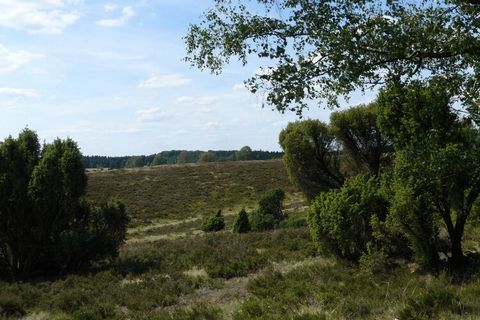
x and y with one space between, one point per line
323 50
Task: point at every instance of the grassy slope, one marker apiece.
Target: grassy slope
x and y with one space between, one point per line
182 191
170 270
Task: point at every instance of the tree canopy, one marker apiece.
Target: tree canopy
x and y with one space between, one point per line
311 157
323 50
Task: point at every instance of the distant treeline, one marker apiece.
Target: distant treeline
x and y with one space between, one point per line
178 156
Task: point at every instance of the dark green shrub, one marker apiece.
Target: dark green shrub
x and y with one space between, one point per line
271 203
98 235
340 220
47 226
241 223
11 306
261 221
293 221
213 223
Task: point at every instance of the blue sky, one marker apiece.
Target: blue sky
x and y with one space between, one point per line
110 75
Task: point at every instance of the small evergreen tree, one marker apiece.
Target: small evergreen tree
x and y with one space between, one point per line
272 202
262 221
213 223
46 225
241 224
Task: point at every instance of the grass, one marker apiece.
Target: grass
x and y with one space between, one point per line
186 191
169 269
267 275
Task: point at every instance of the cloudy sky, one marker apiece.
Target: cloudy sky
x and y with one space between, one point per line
110 75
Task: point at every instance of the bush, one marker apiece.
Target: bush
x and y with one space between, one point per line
293 221
340 220
271 203
241 223
262 221
269 212
99 236
47 226
213 223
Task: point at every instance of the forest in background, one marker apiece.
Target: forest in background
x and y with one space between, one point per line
179 156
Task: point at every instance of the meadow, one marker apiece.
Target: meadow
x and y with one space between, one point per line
169 269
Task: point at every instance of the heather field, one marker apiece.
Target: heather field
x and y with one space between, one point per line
170 269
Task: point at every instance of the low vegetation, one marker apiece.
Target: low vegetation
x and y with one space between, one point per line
213 223
182 191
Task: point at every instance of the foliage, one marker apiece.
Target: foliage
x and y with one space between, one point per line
97 236
357 132
269 212
184 157
294 221
272 203
311 157
328 49
135 162
206 157
159 159
262 221
170 157
42 211
245 153
241 223
436 174
213 223
340 220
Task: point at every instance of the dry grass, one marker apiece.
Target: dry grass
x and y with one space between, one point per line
191 190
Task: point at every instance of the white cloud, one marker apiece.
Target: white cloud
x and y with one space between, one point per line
38 16
18 92
109 7
264 71
212 125
152 115
166 81
239 87
196 101
11 60
127 13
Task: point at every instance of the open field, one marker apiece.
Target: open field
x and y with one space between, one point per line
168 269
172 192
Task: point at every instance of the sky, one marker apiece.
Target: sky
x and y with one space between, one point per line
110 75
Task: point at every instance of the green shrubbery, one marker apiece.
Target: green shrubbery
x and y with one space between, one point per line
47 227
271 203
241 224
262 221
340 219
269 212
213 223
